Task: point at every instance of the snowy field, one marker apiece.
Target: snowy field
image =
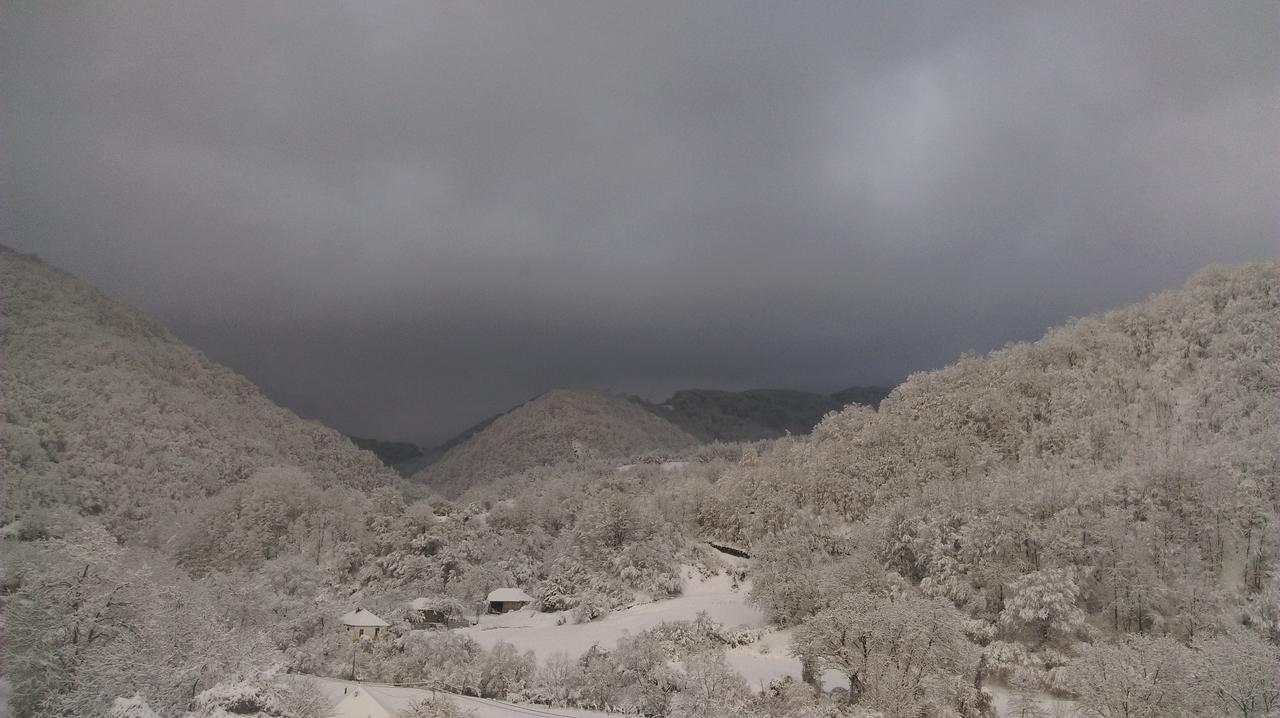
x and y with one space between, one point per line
759 663
397 697
533 631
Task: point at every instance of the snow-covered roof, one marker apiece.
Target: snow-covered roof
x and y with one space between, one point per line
362 618
509 595
392 700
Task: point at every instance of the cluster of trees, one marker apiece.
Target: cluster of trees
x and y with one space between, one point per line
87 619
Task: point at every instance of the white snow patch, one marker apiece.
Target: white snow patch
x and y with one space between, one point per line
398 696
539 632
759 663
1003 697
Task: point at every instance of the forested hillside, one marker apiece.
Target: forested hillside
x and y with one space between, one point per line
105 411
1117 480
557 426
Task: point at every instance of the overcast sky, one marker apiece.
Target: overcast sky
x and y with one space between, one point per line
399 219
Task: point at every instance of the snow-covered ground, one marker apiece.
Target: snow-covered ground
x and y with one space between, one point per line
396 697
759 663
1050 707
538 632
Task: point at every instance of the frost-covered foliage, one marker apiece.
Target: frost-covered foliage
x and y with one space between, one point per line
901 655
1238 674
708 687
1139 678
1044 603
132 707
1133 453
107 412
438 707
233 699
701 635
549 429
90 621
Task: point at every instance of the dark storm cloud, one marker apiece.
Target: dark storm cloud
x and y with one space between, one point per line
401 218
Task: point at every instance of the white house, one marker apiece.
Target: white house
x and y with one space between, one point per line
503 600
363 625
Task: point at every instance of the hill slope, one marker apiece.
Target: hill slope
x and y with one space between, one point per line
557 426
1133 452
105 411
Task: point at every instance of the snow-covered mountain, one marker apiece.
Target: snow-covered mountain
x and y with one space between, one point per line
556 426
107 412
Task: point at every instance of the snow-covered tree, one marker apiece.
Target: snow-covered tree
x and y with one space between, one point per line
895 652
1139 678
1240 673
1044 603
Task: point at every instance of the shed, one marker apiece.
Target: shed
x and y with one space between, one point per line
363 624
503 600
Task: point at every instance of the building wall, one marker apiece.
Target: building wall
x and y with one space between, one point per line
371 631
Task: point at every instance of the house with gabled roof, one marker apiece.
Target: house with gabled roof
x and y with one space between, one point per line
363 625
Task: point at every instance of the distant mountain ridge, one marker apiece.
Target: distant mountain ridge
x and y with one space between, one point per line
564 424
107 412
755 414
392 453
556 426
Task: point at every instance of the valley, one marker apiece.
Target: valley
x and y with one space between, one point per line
998 536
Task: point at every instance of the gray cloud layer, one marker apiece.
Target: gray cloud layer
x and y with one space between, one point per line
401 218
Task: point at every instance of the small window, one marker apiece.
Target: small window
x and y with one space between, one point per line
362 633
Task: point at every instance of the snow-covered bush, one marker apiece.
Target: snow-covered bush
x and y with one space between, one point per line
590 607
701 635
238 699
437 707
